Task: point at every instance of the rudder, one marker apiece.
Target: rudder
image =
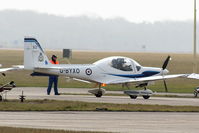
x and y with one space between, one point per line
34 55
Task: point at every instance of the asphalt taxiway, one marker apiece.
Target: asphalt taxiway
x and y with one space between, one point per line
40 93
124 122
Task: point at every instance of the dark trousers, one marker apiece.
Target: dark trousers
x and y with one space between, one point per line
52 79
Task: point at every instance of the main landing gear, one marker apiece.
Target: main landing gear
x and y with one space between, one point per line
145 93
99 92
133 94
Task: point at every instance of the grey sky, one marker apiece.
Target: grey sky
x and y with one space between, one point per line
132 10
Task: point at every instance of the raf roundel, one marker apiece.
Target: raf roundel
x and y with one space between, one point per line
88 71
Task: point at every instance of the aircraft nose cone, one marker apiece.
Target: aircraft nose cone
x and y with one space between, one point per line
165 71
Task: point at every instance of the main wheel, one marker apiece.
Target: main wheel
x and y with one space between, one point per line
99 94
133 96
195 93
1 98
146 97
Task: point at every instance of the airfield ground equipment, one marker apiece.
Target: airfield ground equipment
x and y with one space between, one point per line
67 53
22 97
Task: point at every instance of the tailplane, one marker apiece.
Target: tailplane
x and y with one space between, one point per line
34 55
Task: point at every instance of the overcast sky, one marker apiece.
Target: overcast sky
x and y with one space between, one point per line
132 10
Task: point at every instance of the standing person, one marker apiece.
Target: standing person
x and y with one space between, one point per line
53 78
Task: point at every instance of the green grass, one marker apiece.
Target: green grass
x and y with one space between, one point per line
52 105
180 63
31 130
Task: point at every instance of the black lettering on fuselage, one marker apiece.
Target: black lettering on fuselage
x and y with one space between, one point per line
70 70
61 70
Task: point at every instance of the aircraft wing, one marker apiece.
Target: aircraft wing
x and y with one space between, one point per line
5 69
130 80
19 67
151 78
80 80
193 76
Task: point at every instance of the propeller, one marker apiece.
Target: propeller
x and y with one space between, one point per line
164 66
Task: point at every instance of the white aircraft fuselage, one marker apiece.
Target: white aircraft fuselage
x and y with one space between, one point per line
103 70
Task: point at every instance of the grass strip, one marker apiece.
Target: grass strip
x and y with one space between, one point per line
53 105
31 130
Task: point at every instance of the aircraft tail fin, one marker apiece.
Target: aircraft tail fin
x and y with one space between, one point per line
34 55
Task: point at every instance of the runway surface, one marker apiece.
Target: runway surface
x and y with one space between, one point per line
124 122
40 93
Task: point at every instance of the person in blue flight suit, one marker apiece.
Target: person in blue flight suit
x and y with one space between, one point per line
53 78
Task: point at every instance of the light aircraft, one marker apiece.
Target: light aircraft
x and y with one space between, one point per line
110 70
8 86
